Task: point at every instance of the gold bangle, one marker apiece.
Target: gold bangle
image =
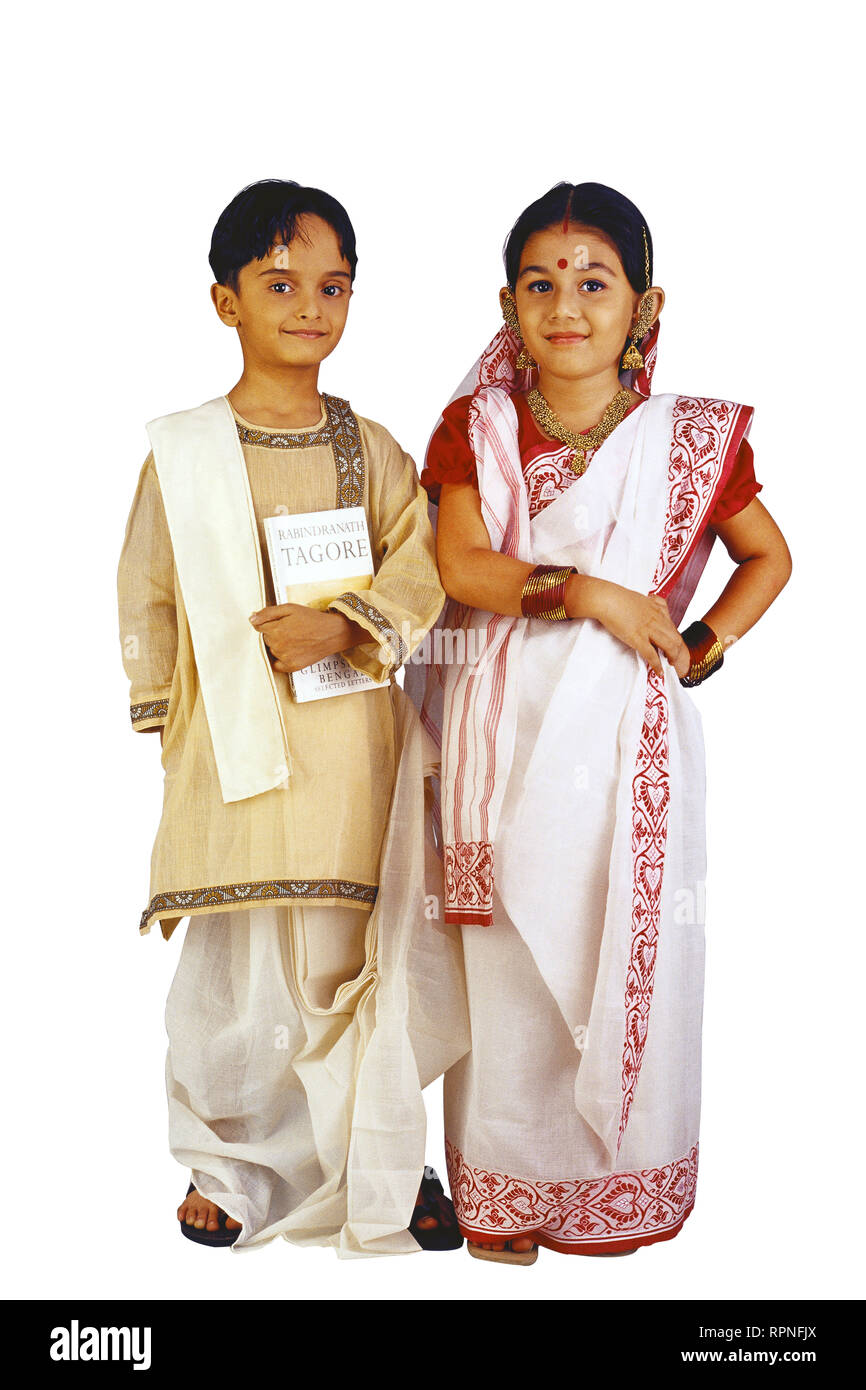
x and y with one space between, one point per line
543 594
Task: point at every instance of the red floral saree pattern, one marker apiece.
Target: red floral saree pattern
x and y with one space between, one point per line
580 1216
703 429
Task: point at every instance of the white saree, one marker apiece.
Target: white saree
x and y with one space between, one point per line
572 805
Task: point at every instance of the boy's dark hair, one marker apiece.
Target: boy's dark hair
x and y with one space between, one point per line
265 214
595 205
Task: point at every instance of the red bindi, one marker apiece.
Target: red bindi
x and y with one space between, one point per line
562 263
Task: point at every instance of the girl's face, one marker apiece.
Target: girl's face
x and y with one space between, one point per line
574 302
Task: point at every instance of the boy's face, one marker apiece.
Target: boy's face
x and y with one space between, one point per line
290 308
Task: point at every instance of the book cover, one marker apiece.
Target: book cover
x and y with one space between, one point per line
315 557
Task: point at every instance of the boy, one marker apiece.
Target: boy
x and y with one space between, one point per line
290 831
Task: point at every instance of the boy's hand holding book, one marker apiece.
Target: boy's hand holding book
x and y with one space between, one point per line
297 636
315 558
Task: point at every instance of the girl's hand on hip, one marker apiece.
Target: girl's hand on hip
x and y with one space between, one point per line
642 622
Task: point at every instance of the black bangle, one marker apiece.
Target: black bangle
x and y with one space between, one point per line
706 653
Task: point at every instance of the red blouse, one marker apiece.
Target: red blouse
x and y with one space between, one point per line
450 460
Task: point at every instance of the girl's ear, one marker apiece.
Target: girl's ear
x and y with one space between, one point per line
658 301
509 310
647 308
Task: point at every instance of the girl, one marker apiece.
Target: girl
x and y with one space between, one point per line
576 513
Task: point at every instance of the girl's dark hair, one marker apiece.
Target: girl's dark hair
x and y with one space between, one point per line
595 205
265 214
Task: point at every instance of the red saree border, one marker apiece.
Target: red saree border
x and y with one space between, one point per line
651 793
469 863
469 883
574 1216
705 436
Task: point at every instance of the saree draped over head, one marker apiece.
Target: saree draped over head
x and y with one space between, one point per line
572 827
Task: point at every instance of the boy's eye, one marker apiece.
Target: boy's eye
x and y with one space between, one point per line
332 291
281 285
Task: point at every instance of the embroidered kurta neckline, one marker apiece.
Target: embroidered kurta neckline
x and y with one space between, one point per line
275 437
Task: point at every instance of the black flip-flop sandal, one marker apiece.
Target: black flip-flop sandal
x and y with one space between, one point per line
205 1237
444 1236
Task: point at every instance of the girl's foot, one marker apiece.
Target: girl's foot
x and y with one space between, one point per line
197 1211
519 1245
522 1250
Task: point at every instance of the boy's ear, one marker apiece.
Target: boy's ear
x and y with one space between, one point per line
226 304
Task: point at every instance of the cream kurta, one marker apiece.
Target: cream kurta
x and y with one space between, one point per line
320 838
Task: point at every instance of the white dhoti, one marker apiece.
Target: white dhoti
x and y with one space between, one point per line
300 1039
260 1071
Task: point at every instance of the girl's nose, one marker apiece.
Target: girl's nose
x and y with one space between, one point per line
567 300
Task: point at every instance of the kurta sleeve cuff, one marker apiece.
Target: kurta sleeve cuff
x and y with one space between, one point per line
387 649
148 714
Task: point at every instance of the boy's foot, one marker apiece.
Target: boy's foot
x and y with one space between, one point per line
198 1212
434 1222
424 1223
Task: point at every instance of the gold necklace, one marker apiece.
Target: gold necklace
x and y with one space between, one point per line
580 444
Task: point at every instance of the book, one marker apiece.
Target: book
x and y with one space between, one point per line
315 557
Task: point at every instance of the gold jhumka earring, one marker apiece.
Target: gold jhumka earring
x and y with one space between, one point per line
632 358
525 360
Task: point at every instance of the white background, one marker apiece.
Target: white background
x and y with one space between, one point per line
128 130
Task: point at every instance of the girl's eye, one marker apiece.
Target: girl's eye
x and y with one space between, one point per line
592 285
540 286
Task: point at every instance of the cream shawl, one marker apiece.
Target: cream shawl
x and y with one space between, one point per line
209 509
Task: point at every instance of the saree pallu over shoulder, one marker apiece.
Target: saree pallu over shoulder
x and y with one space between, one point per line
705 437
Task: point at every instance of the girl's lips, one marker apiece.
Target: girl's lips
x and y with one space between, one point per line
567 338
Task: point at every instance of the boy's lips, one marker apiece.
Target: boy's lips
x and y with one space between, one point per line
304 333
